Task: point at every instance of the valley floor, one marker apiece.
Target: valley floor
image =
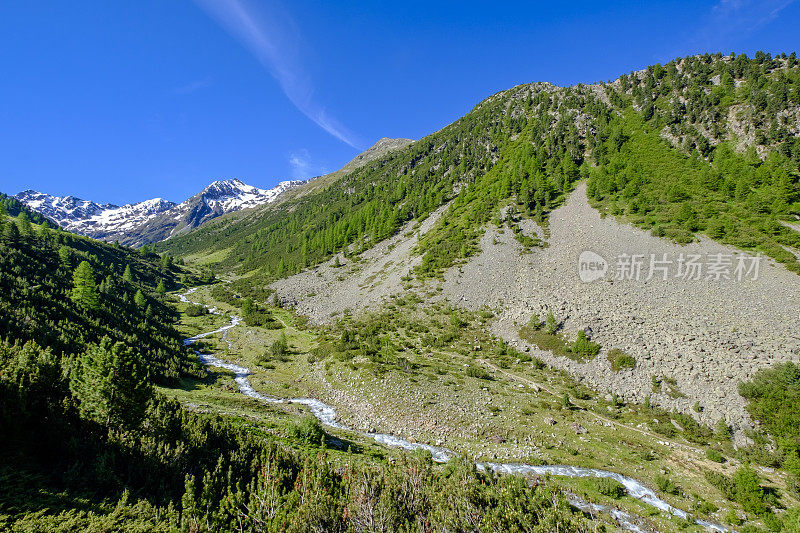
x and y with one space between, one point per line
702 335
479 402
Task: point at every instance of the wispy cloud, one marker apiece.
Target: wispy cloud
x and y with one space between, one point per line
725 26
274 40
738 18
193 86
303 166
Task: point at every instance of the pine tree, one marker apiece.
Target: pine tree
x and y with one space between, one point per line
162 288
139 299
128 275
109 382
84 290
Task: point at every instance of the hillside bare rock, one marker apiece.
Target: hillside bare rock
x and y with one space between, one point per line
707 335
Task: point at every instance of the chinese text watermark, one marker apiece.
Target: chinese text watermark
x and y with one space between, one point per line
683 266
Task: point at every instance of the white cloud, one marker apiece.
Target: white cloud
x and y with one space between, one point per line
302 165
741 17
274 40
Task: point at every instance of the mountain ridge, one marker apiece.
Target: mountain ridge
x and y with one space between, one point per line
151 220
157 219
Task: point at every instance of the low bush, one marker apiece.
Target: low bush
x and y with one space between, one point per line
584 347
196 310
714 455
620 360
666 485
475 372
308 431
280 347
609 487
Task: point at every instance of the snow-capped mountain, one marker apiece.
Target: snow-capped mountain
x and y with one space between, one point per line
151 220
232 195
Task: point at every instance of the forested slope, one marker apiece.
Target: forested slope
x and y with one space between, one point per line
37 270
87 443
707 143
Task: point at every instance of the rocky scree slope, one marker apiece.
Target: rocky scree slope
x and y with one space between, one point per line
526 148
707 335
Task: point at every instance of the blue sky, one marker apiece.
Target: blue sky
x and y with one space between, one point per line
124 101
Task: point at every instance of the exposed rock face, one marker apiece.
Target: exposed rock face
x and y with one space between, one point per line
380 149
376 151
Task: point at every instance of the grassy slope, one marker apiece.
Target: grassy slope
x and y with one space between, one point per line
416 383
525 144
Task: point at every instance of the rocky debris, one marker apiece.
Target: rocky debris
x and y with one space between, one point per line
579 429
697 338
706 335
327 290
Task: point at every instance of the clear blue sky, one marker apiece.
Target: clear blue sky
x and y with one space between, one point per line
125 101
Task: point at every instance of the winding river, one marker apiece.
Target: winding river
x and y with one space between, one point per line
327 416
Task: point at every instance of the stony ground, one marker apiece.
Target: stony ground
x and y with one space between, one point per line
327 291
708 335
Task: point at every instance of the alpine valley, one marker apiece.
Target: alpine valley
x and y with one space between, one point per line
151 220
572 309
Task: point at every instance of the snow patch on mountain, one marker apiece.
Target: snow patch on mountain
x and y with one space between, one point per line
151 220
233 195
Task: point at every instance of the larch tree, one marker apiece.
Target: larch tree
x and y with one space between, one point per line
25 228
139 299
84 288
11 232
127 275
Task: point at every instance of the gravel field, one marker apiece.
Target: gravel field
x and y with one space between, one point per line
326 291
706 334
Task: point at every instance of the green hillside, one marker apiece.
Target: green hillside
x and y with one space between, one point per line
701 144
87 441
109 422
36 304
12 206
